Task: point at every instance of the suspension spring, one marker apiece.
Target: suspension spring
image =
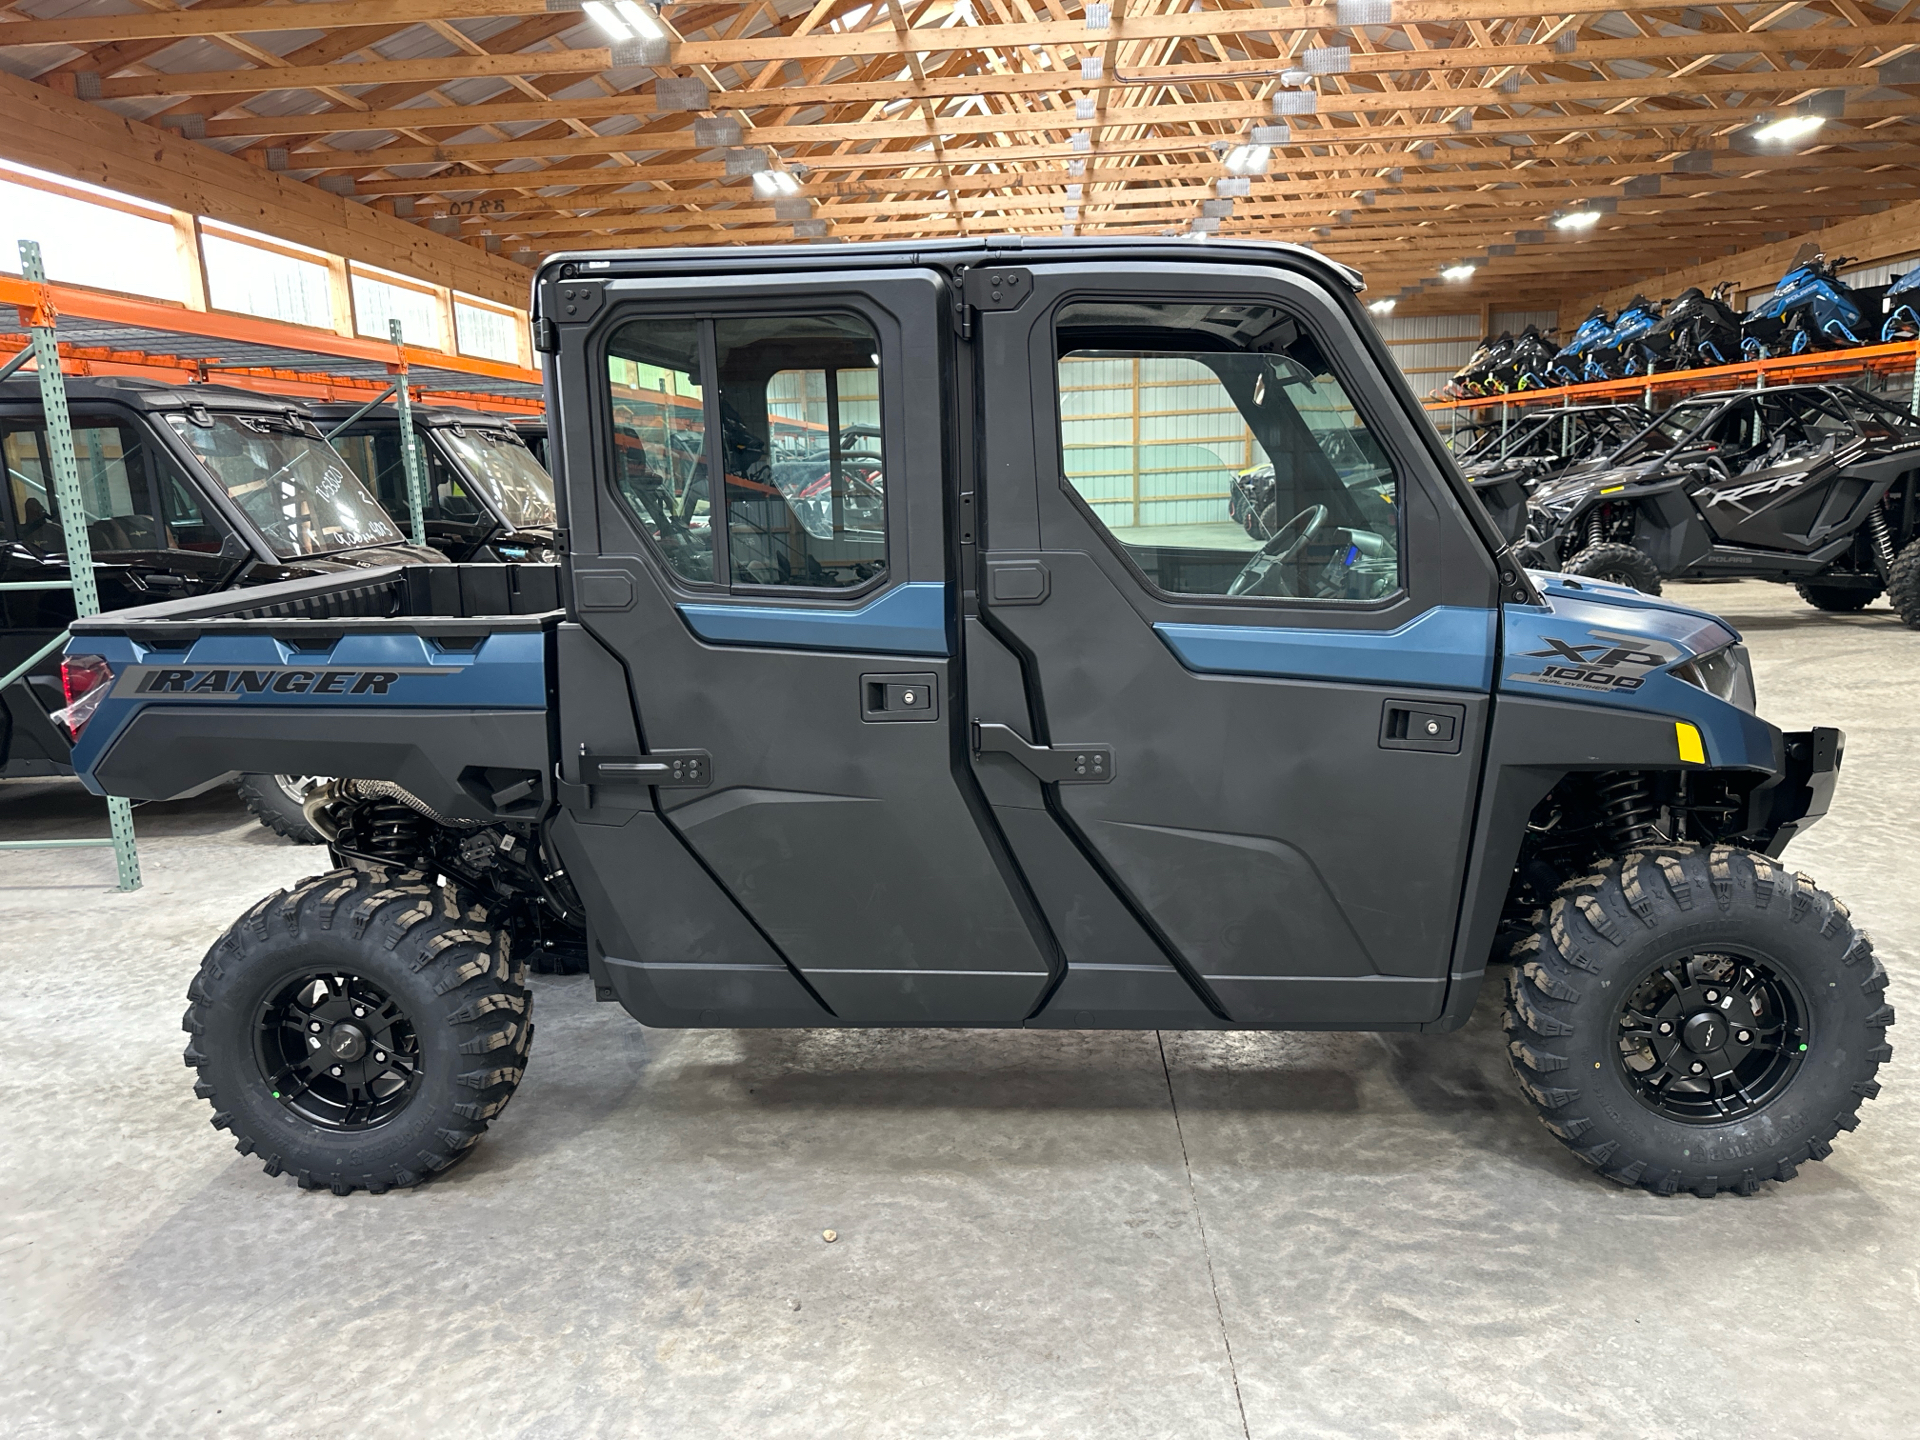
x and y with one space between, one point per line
1882 541
1627 812
1596 528
393 832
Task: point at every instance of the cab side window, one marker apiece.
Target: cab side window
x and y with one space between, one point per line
750 450
119 469
1217 448
374 455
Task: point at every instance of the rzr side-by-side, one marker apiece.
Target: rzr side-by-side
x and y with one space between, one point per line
1031 732
1812 485
1505 466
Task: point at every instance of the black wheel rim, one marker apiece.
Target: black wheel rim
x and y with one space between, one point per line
337 1051
1711 1037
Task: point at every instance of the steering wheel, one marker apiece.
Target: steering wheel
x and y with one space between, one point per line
1287 542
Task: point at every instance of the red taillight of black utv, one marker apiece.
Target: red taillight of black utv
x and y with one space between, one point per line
84 680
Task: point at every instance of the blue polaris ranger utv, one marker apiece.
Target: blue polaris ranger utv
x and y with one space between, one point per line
906 667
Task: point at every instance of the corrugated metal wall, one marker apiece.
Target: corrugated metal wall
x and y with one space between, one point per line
1429 348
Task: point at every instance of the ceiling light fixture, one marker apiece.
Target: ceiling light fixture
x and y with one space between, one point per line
1248 160
1789 128
1459 272
610 24
641 17
1577 220
1382 307
770 184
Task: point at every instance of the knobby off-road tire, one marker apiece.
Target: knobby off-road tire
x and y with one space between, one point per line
1622 564
269 801
1645 942
1839 599
1903 585
396 982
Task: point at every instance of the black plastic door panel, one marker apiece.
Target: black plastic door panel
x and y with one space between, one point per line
1295 857
840 817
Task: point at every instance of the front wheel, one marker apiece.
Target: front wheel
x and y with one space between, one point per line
1903 585
1839 599
1622 564
1693 1019
359 1031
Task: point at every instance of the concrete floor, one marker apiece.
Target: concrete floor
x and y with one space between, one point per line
1040 1234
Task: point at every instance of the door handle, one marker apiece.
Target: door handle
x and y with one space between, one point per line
1050 764
665 768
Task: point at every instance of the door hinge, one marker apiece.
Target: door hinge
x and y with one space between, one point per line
679 769
1050 764
546 336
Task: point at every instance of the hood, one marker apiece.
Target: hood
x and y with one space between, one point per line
1592 642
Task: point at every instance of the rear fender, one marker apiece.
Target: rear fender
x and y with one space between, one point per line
461 722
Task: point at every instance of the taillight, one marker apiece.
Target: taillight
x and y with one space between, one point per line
84 680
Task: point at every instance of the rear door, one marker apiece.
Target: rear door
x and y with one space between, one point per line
1266 754
754 474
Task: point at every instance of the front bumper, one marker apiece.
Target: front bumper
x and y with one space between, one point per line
1810 767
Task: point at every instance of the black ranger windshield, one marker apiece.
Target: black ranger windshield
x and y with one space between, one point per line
496 463
289 483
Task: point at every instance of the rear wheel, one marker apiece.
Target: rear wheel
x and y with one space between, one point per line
1693 1019
275 801
1622 564
1903 585
359 1031
1839 599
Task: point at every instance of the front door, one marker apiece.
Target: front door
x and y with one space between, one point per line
755 474
1234 644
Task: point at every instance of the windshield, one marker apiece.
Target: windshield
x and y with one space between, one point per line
1668 431
289 482
506 474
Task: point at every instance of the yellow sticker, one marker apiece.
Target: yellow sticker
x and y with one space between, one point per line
1611 489
1691 750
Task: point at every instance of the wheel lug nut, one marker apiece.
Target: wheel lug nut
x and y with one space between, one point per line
1666 1027
1697 1068
336 1069
1712 995
1744 1036
313 1025
380 1055
359 1011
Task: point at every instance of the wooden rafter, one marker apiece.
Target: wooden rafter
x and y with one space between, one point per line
1421 132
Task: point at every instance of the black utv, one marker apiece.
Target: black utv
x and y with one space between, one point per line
1810 485
487 496
1504 467
189 490
1011 724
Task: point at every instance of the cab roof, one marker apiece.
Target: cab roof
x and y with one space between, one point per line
335 411
745 259
157 396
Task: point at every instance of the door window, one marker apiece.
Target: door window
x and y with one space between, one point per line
1215 446
374 454
659 440
116 466
795 401
800 425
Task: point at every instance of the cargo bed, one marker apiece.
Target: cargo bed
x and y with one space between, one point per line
433 676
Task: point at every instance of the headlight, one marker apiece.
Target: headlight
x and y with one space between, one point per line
1726 674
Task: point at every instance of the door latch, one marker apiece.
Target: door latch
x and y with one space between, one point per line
680 769
1422 725
1050 764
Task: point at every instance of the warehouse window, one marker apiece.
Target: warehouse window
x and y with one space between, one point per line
269 282
488 333
376 301
1214 444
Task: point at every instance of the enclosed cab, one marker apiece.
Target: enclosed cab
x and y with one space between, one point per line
188 490
907 665
533 433
487 497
